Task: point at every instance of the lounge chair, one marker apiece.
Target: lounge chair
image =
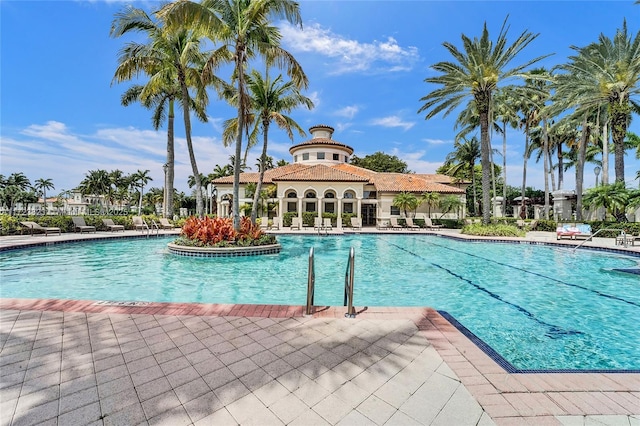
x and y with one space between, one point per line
584 231
165 224
275 224
355 223
326 224
139 223
411 225
112 226
566 231
80 225
429 224
32 226
317 223
264 223
394 223
295 223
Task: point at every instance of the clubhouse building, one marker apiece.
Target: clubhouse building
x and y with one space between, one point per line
321 180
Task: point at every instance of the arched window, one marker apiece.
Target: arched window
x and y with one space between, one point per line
329 195
349 194
292 194
310 194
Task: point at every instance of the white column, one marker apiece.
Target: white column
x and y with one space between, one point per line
300 208
320 207
339 219
359 211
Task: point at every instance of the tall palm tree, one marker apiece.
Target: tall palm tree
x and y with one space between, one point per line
270 100
96 183
173 61
42 185
475 74
13 188
505 112
606 72
432 199
467 152
242 30
405 201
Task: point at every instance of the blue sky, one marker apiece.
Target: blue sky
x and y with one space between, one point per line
365 60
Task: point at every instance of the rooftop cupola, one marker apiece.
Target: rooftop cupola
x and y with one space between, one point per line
321 148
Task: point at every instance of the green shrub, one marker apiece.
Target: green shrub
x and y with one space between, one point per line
499 230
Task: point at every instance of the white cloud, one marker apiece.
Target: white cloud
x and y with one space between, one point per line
392 121
438 141
315 98
416 161
53 151
349 56
348 111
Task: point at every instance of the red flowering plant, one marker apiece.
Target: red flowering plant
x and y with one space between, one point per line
219 232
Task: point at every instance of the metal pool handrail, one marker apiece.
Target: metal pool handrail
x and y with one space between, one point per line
624 237
348 285
311 283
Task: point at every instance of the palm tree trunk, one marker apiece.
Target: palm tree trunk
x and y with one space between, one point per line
263 156
504 168
618 132
493 174
475 195
483 100
560 166
524 163
187 129
170 161
582 151
605 153
545 151
241 114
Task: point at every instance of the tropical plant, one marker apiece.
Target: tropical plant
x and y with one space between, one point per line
612 197
42 185
241 29
432 199
475 74
14 189
463 160
450 203
405 201
174 62
138 180
605 73
219 232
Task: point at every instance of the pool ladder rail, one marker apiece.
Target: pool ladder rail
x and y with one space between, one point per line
149 229
348 284
622 237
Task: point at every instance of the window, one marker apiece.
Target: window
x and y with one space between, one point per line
336 157
310 194
310 207
305 156
321 156
346 158
329 195
348 207
292 207
395 211
348 195
292 194
295 158
371 195
329 208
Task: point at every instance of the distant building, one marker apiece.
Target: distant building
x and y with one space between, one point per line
321 180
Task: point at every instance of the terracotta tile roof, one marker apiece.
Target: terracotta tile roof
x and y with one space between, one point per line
248 177
345 167
398 182
321 141
321 172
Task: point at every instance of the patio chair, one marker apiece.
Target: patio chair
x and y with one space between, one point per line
80 225
165 224
566 231
32 226
355 223
139 223
264 223
411 225
317 223
429 224
295 223
275 224
394 223
112 226
326 224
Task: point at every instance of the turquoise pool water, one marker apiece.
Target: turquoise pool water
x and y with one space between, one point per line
540 307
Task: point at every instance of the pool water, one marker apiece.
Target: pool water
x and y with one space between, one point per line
539 307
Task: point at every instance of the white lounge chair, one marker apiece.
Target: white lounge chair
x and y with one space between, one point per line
275 224
165 224
394 223
355 223
429 225
139 223
317 223
326 224
295 223
411 225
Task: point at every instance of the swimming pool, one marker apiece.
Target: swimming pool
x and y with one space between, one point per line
539 307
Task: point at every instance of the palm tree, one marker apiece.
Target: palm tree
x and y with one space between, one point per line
269 100
242 29
405 201
14 188
611 197
605 73
96 183
42 185
463 159
173 61
505 112
432 199
475 74
450 203
139 179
